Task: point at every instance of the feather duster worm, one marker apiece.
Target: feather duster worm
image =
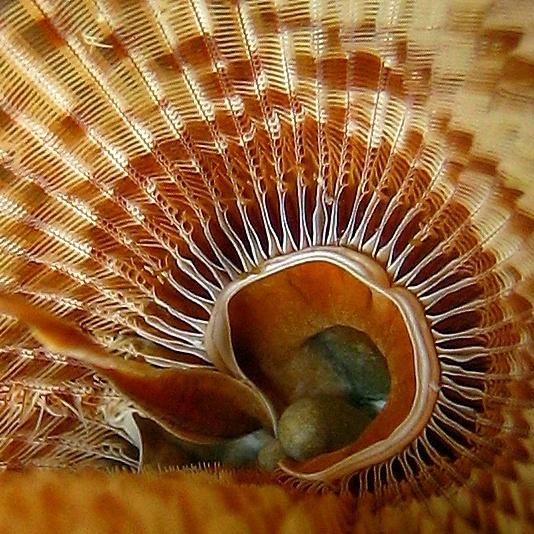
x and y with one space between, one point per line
295 236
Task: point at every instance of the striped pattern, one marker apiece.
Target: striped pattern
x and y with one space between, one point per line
152 152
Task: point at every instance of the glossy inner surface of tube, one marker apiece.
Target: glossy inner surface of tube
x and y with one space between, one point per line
265 324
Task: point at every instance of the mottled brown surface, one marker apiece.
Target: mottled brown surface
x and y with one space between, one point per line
91 502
